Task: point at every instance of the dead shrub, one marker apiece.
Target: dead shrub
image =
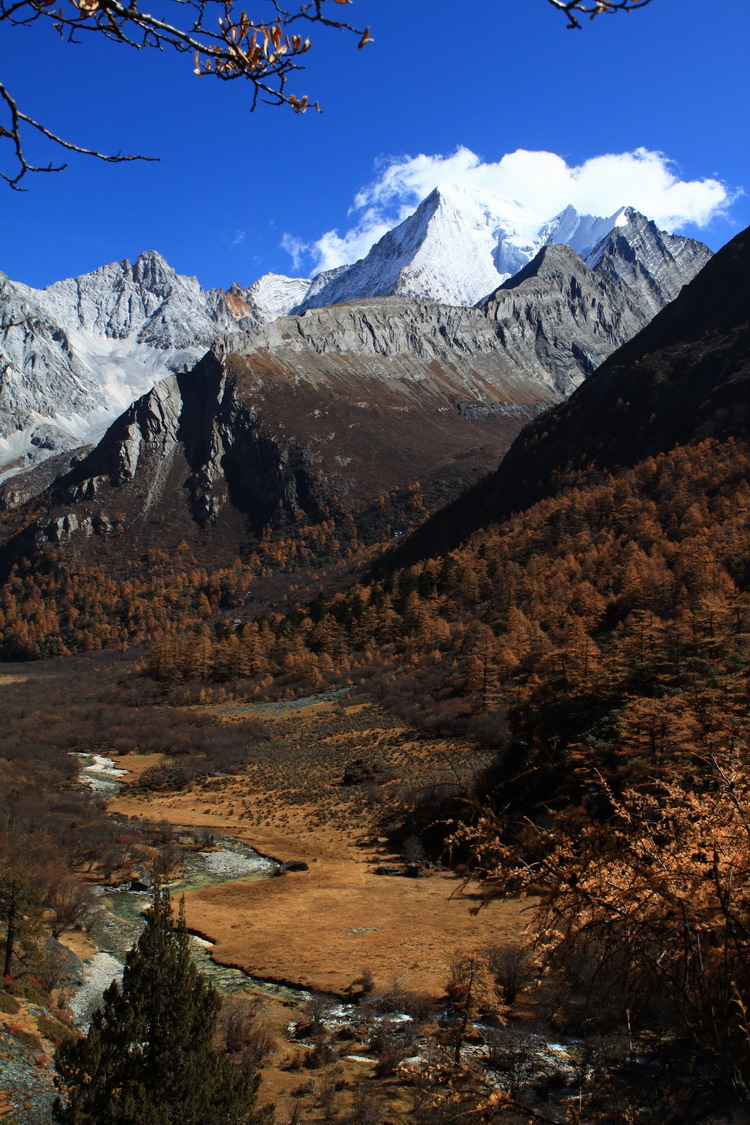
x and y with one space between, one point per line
322 1054
367 1109
511 966
245 1030
388 1045
365 982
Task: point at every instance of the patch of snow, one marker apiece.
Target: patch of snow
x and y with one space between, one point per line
276 295
581 232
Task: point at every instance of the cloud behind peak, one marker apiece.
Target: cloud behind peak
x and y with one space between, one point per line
542 182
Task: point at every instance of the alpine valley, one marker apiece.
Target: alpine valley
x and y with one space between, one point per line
427 577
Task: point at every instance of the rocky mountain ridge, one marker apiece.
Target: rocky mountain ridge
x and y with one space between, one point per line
317 414
322 413
460 245
571 314
73 356
684 377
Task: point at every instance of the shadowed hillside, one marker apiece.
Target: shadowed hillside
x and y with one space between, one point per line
685 376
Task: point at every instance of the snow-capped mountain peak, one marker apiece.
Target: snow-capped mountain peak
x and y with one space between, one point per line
459 245
74 355
581 232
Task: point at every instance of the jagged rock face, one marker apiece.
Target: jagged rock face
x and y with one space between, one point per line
317 413
388 327
555 321
329 409
570 315
74 355
653 265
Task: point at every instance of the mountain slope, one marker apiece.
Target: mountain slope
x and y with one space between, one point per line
684 377
319 414
326 411
76 354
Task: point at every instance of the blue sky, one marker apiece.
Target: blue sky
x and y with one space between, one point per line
233 188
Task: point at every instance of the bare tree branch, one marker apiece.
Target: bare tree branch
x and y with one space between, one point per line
14 135
225 44
593 8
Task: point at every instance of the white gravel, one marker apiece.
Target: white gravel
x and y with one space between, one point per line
233 865
98 973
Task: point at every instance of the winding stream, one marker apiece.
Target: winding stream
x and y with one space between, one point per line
119 918
119 921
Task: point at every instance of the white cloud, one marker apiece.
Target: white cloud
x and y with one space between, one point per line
332 249
542 181
295 248
239 238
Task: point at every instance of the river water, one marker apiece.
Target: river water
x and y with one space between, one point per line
119 918
119 921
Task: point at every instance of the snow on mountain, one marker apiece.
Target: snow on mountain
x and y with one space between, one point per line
581 233
459 245
274 295
73 356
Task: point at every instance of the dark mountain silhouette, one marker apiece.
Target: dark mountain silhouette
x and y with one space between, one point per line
684 377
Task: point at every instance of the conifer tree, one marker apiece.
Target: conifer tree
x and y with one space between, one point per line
148 1058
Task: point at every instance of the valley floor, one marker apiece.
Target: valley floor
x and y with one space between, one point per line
321 927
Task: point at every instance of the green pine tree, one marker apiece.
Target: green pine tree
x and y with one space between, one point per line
148 1058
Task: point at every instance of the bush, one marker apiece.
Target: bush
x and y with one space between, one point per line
400 1000
322 1054
245 1030
389 1046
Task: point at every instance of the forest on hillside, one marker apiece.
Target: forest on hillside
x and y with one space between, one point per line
598 642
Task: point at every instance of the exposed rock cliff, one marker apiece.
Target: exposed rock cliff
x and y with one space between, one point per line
74 355
325 411
320 413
